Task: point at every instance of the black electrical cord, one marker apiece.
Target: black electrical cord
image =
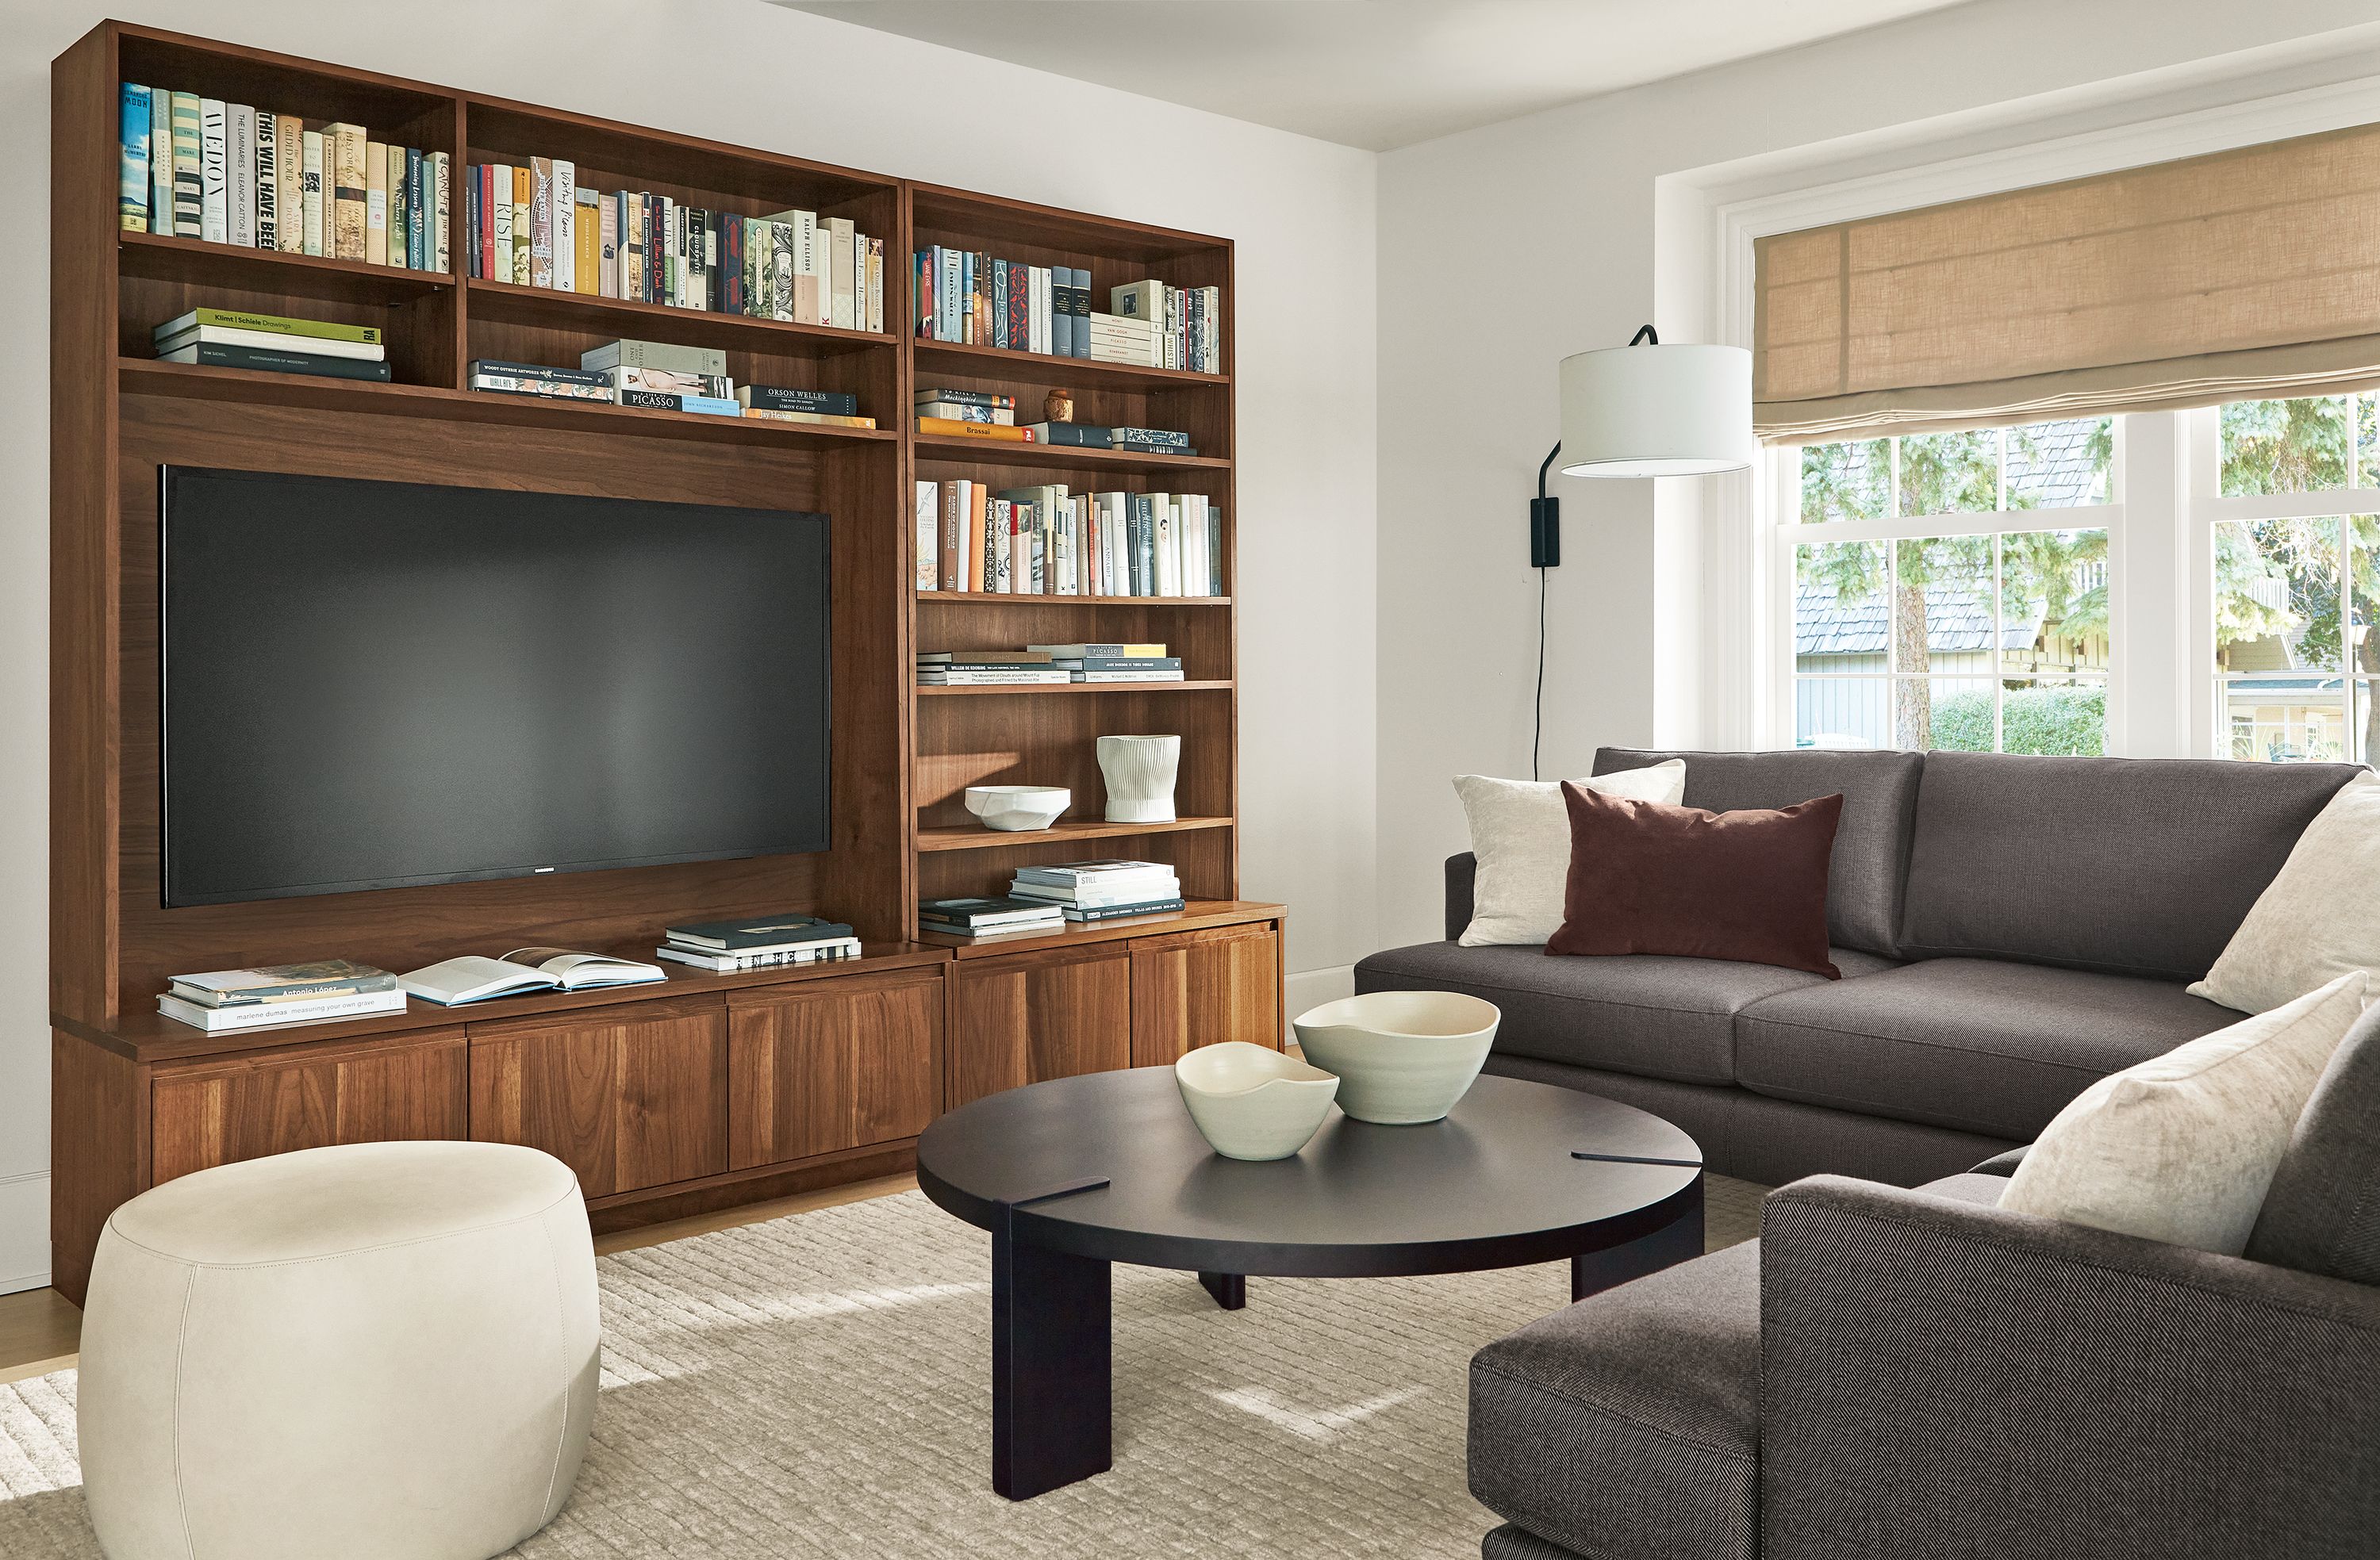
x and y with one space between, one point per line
1537 735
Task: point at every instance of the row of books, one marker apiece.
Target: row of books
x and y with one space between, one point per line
980 299
281 344
667 377
1046 540
535 225
1048 664
985 414
325 990
1043 899
228 173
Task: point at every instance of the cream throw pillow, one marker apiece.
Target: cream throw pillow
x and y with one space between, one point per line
2318 919
1520 832
2182 1147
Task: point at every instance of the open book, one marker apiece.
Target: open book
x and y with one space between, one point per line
475 979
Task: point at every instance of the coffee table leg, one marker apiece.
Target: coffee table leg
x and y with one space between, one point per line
1229 1289
1053 1365
1680 1241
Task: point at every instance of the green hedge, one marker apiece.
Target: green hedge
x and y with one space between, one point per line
2070 721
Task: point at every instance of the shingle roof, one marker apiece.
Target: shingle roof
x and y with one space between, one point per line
1955 620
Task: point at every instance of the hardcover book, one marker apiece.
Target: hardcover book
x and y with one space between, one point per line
132 164
349 189
289 176
280 982
161 161
312 209
239 171
214 211
474 978
190 198
376 203
275 361
758 931
268 181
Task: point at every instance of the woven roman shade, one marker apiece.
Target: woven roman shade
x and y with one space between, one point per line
2242 275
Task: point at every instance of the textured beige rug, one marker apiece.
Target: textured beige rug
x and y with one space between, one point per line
820 1386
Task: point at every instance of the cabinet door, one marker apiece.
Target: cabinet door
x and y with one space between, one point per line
1194 989
833 1064
1020 1018
628 1096
217 1111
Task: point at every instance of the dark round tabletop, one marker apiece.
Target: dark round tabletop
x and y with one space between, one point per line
1496 1184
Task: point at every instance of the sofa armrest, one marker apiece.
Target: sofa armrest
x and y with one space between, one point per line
2034 1387
1460 872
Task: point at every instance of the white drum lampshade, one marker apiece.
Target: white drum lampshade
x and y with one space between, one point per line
1656 411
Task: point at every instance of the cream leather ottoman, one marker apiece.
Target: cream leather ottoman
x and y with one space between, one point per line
383 1352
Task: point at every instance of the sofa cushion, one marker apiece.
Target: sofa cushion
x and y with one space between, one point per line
1627 1426
1651 1014
2322 1212
1880 791
2139 866
1980 1045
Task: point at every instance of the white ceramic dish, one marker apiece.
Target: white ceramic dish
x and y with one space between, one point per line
1015 808
1251 1103
1401 1057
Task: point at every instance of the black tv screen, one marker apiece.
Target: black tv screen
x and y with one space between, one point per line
368 685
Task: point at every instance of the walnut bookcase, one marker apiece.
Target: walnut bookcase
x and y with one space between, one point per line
714 1089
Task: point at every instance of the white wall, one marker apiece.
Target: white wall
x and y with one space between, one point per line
1507 248
1301 210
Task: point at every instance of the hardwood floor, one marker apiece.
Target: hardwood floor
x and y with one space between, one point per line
39 1330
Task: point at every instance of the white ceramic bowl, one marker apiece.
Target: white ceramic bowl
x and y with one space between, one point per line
1401 1057
1251 1103
1015 808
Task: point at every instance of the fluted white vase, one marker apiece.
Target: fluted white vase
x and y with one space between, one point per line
1139 773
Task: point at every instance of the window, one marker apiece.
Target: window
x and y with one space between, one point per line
2294 545
1950 590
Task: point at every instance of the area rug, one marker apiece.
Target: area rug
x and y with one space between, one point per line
820 1386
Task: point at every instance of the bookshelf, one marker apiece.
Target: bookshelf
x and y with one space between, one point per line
901 755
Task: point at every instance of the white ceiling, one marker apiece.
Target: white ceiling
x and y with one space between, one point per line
1370 73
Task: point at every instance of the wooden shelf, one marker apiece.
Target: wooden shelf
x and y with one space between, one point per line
511 303
154 257
958 449
1194 914
1018 599
974 837
1063 689
959 358
197 381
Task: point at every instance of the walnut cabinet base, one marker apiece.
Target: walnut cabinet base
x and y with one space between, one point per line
705 1093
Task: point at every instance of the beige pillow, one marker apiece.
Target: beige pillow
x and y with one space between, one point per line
1520 832
2182 1147
2318 920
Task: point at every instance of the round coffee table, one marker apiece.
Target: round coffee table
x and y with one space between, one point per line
1074 1174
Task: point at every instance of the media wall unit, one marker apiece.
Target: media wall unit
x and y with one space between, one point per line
711 1090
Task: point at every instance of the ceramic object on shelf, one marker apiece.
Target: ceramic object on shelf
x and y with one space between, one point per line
1251 1103
1015 808
1401 1057
1139 774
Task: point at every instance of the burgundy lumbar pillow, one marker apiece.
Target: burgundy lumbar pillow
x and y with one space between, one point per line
1749 886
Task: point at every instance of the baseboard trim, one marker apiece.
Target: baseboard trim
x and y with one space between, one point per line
25 1232
1311 989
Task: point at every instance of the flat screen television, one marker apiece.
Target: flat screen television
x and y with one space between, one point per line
369 684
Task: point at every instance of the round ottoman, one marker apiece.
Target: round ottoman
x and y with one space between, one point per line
379 1351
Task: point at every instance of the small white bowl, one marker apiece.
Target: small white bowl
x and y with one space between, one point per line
1251 1103
1015 808
1401 1057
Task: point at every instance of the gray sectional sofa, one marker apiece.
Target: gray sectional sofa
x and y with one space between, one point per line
2009 928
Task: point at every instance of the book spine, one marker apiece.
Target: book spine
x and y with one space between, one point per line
813 272
349 190
315 210
779 399
239 175
875 315
242 320
289 182
132 180
161 161
540 222
954 275
442 202
925 574
1080 297
416 211
268 181
267 359
1061 312
402 197
562 224
521 188
1120 912
214 216
953 534
376 202
730 264
189 198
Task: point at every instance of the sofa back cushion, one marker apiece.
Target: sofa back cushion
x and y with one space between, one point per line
2322 1214
2132 866
1879 792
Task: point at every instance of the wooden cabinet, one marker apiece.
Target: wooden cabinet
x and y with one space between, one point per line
832 1064
1020 1018
245 1106
1199 988
628 1096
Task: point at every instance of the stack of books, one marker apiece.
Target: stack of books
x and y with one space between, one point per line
535 225
980 299
1049 540
969 414
221 1000
226 172
1115 662
948 669
1091 436
834 409
980 920
231 338
1185 322
657 376
759 942
1101 890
